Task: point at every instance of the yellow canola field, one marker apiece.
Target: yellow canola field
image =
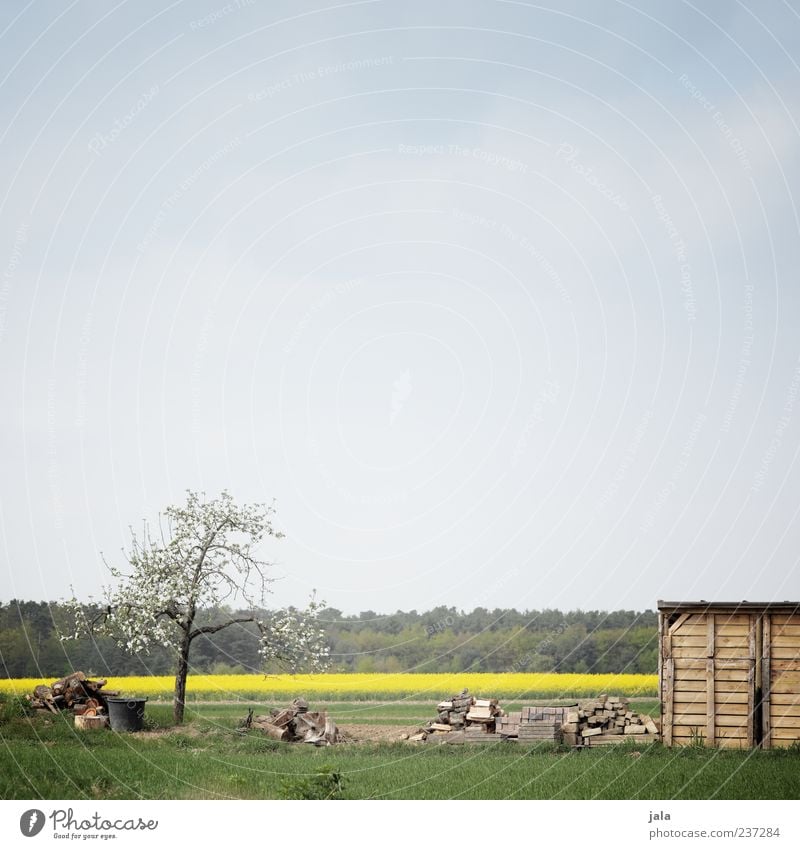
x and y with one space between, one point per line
423 686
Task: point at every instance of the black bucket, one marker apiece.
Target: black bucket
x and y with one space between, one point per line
126 714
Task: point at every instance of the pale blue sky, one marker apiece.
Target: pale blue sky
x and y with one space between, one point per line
498 300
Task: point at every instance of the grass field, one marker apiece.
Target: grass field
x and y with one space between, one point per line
420 687
208 758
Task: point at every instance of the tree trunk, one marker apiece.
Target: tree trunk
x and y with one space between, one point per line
180 680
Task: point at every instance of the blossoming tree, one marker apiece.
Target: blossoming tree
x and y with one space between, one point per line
202 557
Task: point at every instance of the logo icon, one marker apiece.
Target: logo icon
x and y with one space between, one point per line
31 822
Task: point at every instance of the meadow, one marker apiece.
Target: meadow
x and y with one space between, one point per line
210 757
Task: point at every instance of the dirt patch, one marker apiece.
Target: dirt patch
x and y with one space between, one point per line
376 733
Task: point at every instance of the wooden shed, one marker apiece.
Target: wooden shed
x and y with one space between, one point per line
729 673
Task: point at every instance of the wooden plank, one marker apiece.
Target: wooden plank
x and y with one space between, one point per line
683 698
689 720
737 698
733 653
785 734
710 698
678 623
689 697
696 641
786 652
733 618
784 619
696 652
725 719
766 695
730 743
751 682
696 672
785 698
693 630
732 630
710 637
660 664
736 731
738 710
783 665
724 686
666 709
687 641
784 682
785 722
790 640
786 630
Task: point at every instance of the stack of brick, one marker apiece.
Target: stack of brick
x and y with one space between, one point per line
606 720
534 724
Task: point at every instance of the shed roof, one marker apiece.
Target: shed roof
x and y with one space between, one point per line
793 606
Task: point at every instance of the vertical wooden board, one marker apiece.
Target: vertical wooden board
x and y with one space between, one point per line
711 635
669 680
751 684
711 734
660 665
766 701
711 707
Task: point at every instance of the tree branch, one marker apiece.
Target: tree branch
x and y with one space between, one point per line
212 629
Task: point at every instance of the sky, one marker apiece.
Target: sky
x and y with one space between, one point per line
498 301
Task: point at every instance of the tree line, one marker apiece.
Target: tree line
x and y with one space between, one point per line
444 639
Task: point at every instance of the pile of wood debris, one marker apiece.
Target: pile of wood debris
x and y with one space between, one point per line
462 718
295 724
601 721
75 692
607 720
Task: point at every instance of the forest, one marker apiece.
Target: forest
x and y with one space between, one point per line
444 639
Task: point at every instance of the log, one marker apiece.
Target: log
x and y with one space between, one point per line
272 731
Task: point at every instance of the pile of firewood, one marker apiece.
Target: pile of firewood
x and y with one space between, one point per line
604 721
461 718
75 693
295 724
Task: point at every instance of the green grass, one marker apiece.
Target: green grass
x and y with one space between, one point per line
208 758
